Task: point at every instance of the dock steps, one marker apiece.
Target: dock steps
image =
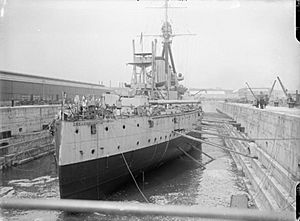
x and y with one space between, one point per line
269 179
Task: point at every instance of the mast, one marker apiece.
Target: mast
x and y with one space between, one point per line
153 66
166 10
166 33
142 60
134 77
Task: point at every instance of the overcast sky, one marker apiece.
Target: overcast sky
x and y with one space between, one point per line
91 41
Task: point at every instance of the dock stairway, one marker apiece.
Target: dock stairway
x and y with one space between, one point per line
272 186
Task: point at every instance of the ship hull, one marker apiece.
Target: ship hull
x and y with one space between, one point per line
98 178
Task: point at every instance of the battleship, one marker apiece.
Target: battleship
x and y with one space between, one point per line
108 141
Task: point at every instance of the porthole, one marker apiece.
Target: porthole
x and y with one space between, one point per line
93 151
138 125
149 140
81 152
123 126
155 139
106 128
76 131
137 143
118 147
160 138
166 137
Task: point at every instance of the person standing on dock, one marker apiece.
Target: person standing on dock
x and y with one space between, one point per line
262 101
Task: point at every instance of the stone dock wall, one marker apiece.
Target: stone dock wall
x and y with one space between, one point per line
24 133
26 119
275 174
262 123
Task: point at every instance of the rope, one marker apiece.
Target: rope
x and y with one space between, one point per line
137 186
167 146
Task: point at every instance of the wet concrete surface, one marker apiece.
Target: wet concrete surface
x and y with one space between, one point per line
180 182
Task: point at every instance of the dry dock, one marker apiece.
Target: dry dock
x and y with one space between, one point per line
267 183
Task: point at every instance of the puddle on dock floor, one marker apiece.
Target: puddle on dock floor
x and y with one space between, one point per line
180 182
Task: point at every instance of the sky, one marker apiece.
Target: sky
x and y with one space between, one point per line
91 41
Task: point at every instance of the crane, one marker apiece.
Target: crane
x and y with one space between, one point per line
256 98
290 101
270 92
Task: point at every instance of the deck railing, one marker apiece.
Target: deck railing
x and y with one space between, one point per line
143 209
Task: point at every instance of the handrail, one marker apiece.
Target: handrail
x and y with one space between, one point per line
138 209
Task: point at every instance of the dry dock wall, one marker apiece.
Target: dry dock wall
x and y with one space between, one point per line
274 175
24 134
266 124
26 119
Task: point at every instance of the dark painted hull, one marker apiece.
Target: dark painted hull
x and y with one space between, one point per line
96 179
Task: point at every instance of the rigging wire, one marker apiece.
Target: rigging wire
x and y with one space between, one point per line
136 184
